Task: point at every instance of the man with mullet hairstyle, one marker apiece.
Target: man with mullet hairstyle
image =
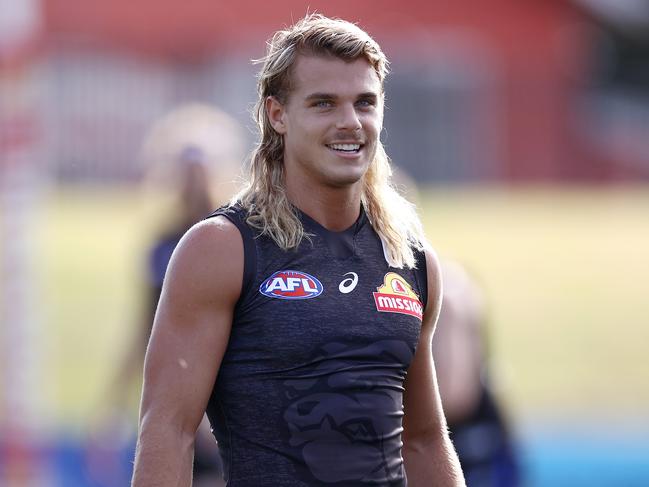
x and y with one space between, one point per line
300 317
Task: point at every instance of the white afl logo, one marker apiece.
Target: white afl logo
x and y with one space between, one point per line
349 284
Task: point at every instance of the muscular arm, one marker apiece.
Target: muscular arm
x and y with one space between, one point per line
428 454
458 344
190 334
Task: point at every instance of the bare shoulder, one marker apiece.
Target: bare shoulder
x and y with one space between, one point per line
212 234
433 271
434 279
209 257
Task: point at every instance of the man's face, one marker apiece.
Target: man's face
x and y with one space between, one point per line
331 121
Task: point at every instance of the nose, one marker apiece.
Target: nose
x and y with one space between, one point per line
348 118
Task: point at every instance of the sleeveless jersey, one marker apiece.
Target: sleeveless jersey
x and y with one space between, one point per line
310 388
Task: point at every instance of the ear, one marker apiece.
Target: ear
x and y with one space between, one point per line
276 114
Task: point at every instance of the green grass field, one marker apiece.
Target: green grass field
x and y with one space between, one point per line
565 271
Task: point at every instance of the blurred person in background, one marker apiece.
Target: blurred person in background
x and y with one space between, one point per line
304 391
189 160
476 420
194 202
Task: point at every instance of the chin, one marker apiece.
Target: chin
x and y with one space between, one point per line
347 177
345 181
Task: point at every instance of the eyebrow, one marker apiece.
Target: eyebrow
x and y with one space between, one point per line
319 96
329 96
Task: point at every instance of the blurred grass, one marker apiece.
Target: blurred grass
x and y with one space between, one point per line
92 259
565 272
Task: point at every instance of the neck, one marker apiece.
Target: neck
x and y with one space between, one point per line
334 208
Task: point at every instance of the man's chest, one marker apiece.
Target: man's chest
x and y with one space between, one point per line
299 303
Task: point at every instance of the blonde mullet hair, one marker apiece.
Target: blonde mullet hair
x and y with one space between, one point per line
264 196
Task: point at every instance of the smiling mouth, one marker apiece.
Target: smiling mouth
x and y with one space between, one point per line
346 148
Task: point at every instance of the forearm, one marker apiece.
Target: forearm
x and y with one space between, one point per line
164 456
432 462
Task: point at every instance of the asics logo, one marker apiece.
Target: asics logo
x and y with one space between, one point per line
348 285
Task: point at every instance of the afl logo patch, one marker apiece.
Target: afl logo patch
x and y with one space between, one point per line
291 285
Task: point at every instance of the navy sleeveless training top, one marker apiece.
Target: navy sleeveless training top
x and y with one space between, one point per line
310 388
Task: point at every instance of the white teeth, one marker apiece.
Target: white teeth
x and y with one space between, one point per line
346 147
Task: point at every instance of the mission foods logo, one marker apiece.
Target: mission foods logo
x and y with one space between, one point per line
397 296
291 285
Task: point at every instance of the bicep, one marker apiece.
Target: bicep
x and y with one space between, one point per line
457 350
422 406
192 324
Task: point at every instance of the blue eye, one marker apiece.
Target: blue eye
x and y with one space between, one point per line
323 104
365 103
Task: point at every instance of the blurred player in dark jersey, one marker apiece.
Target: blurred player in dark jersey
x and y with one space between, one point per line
191 202
194 203
478 426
